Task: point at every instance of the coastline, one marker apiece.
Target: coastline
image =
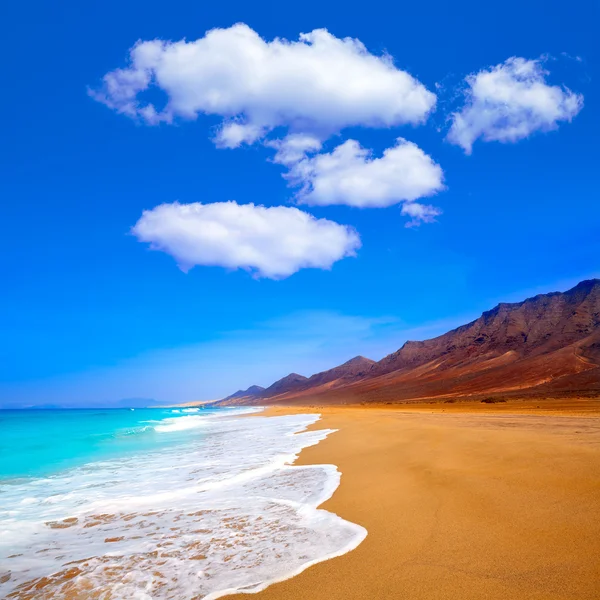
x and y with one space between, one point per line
215 508
458 501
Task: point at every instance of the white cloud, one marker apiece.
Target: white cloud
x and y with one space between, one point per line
234 134
420 213
318 84
509 102
273 242
351 175
294 148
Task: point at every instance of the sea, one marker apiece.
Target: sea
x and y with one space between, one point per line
172 503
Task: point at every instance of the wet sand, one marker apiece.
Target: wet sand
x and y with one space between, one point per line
460 502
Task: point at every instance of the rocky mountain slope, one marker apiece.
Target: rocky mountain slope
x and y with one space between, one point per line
252 391
546 344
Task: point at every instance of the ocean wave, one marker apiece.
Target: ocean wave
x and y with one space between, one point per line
185 422
134 430
222 513
180 424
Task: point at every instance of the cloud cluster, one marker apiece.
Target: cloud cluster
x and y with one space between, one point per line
307 91
272 242
509 102
318 84
349 174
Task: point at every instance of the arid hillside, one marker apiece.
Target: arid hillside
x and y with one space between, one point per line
548 344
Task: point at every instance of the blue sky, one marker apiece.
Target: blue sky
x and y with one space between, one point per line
91 315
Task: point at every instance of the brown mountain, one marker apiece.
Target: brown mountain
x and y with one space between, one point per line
535 326
252 392
546 344
288 384
351 370
355 368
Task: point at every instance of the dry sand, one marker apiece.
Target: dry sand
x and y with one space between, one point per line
459 505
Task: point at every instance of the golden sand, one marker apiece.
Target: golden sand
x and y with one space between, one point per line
460 502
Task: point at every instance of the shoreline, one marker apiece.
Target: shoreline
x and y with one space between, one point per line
458 503
567 407
251 519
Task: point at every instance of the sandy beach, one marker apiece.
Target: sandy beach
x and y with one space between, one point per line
460 502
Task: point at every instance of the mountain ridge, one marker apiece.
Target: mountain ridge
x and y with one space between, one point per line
253 390
546 342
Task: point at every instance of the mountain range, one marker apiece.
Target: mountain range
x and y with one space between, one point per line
548 344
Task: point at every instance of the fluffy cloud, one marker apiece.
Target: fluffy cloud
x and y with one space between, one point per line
294 148
509 102
351 175
318 84
420 213
273 242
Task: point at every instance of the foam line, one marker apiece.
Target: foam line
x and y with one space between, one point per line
219 511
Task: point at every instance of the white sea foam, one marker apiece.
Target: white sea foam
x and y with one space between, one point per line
220 513
180 424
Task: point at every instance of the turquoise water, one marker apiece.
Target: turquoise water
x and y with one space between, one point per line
42 442
160 504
